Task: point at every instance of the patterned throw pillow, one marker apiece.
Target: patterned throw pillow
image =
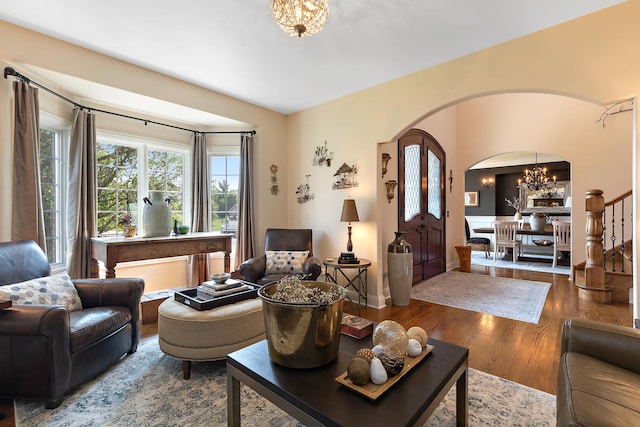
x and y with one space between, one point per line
51 290
286 262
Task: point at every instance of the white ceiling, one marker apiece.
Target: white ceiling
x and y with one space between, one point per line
234 46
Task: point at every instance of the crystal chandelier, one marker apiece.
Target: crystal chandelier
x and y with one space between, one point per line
300 18
536 179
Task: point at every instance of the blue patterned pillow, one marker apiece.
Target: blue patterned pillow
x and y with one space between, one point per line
285 262
51 290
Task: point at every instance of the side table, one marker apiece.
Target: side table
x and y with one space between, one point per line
358 281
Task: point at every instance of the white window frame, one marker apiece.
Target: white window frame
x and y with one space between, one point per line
143 145
63 128
222 151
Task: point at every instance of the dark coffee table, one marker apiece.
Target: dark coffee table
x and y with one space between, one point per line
314 398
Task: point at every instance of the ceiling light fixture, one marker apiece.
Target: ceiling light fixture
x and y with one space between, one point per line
536 179
300 18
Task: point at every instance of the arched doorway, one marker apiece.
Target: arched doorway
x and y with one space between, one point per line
499 186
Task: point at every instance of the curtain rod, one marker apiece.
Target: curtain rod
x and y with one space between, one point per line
8 71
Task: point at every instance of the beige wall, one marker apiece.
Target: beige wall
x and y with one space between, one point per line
593 59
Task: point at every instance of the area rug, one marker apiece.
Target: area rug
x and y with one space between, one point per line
147 389
478 258
499 296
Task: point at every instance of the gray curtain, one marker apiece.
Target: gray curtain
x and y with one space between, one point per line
27 219
245 247
200 204
81 194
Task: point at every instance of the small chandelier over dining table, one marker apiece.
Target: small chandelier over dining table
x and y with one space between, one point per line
536 179
300 18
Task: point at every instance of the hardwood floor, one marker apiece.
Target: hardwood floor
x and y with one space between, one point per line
522 352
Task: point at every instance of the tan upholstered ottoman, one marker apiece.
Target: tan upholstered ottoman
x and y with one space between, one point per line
192 335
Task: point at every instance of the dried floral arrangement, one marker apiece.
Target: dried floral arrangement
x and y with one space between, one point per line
290 289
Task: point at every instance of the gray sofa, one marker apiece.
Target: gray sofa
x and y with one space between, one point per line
599 375
45 350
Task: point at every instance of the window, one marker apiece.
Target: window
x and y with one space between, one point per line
166 173
52 184
128 168
117 177
225 179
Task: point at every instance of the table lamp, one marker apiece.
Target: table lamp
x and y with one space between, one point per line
349 215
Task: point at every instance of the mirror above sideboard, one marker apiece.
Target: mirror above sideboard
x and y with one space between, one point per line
554 201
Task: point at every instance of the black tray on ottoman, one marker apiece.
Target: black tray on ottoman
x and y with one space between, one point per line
190 297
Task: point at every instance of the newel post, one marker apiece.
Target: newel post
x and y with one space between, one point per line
594 288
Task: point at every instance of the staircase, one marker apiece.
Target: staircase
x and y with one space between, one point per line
607 274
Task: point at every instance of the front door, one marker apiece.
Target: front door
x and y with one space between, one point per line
421 201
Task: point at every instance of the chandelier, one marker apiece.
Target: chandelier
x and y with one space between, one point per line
300 18
536 179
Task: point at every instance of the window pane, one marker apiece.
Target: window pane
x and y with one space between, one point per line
117 176
433 184
412 202
51 191
166 173
224 193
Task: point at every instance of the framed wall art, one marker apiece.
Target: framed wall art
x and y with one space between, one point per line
471 198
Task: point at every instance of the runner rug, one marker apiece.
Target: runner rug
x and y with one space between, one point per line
147 389
499 296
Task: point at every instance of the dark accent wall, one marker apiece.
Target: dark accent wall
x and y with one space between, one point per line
491 199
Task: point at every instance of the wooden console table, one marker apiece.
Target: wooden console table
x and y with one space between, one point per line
112 250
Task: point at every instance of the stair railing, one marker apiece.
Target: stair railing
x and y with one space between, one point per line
613 218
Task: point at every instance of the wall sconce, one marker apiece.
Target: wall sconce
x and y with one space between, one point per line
488 182
385 160
391 188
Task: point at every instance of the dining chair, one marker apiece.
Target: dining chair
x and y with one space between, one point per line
484 241
505 234
561 239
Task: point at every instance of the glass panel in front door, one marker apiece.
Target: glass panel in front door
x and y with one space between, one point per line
433 184
411 181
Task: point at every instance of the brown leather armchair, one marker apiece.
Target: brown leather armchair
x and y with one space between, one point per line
599 375
282 239
45 350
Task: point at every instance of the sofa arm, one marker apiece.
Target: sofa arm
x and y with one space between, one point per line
35 354
111 292
253 268
312 268
36 320
614 344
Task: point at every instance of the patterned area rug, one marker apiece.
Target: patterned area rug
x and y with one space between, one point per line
478 258
147 389
499 296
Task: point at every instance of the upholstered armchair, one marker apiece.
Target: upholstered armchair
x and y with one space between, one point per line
48 348
278 242
599 374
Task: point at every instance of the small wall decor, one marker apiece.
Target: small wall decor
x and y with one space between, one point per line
385 161
471 198
450 180
391 187
303 193
346 177
274 180
322 156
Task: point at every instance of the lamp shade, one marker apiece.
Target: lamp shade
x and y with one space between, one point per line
349 211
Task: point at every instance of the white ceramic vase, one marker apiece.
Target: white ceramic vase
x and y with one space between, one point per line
537 221
156 215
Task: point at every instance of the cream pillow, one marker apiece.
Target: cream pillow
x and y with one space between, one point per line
285 262
51 290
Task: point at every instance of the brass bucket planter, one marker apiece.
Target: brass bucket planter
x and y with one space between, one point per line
302 335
